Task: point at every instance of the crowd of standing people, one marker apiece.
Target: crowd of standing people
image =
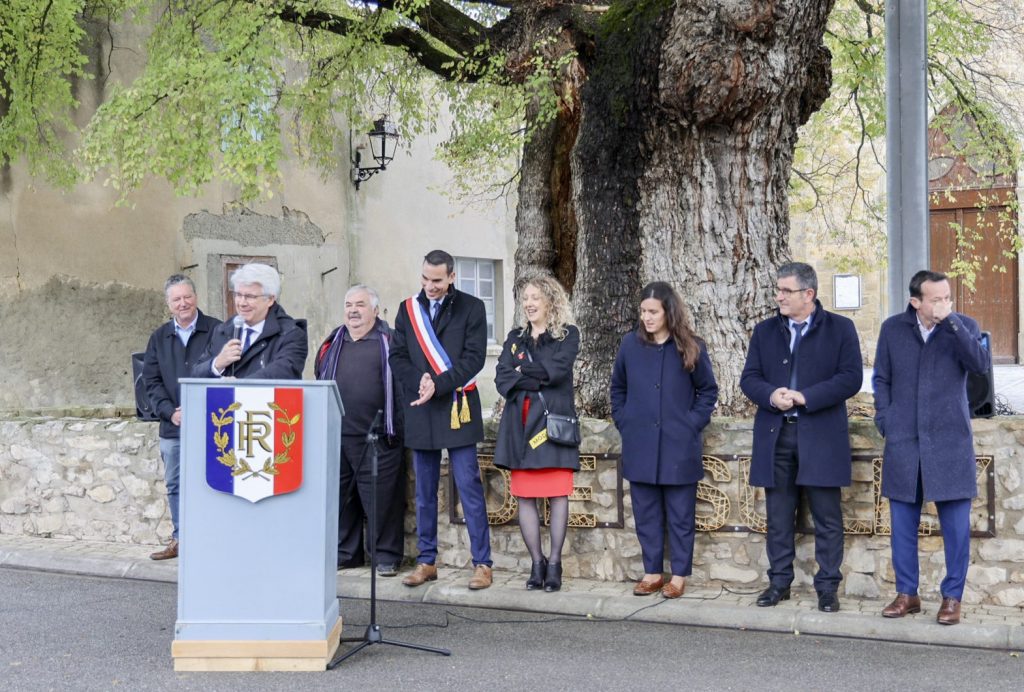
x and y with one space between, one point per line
415 386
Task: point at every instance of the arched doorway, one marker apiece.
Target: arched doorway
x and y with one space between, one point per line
973 226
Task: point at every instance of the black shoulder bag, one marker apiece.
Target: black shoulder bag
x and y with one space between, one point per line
562 430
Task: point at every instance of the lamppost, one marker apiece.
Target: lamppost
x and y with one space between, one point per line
383 144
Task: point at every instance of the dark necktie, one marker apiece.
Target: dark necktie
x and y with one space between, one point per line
798 327
435 309
248 337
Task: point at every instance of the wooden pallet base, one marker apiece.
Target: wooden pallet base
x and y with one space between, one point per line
242 656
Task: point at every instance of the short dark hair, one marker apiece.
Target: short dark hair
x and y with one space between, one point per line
435 258
922 276
805 275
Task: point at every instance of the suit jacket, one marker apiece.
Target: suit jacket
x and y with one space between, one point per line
278 354
166 360
661 410
921 406
462 330
555 358
829 371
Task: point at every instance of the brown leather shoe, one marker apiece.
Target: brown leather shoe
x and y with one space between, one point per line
902 605
481 578
422 573
171 551
672 591
949 612
646 588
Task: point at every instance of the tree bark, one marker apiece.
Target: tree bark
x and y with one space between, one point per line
687 122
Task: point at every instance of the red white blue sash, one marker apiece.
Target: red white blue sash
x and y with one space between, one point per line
429 343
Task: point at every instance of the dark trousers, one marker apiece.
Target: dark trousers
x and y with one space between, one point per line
652 505
466 471
783 501
955 522
355 493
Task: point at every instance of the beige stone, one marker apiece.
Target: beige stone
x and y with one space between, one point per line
862 585
731 573
999 550
1010 597
985 576
101 493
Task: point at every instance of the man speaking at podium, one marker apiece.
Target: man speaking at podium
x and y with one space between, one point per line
262 342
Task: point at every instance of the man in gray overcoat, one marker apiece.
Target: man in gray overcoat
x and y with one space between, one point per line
921 366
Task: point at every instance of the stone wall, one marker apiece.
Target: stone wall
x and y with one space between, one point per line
100 478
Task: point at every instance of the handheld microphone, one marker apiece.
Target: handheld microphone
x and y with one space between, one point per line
239 322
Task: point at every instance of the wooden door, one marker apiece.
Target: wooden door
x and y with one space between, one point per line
994 303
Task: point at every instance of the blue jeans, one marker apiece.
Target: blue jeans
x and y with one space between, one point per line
170 450
466 472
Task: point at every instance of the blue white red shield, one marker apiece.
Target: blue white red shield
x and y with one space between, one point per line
254 440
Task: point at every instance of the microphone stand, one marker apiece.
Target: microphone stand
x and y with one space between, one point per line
373 634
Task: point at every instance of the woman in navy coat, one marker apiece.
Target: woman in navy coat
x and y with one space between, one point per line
538 359
663 391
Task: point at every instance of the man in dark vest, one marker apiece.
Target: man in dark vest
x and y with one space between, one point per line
440 346
173 349
355 356
921 366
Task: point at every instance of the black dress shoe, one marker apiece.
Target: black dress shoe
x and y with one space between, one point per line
828 601
772 595
553 577
537 572
387 569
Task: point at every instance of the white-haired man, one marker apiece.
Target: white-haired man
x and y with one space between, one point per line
271 346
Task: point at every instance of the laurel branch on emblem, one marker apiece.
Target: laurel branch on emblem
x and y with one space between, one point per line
240 467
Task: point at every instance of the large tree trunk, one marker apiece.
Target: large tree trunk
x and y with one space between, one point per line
679 172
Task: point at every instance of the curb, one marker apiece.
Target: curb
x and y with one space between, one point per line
614 602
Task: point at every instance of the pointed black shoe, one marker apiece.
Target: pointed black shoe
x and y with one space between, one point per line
553 579
536 580
772 595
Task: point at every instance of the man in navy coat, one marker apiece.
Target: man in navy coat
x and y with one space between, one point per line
921 366
802 366
173 349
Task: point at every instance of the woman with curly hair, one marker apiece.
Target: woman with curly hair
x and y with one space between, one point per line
534 373
663 392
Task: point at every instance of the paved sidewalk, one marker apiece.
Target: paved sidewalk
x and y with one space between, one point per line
986 627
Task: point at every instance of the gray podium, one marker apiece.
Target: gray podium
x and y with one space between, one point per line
257 587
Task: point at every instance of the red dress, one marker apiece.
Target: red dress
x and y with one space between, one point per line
540 482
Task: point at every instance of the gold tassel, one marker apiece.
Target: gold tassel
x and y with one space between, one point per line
455 425
464 415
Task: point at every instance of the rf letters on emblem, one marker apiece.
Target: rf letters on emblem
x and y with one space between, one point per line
254 441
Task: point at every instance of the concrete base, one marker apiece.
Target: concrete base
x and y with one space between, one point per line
244 656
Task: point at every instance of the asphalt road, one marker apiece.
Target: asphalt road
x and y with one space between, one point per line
61 632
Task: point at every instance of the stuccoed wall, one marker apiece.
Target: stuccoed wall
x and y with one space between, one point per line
88 474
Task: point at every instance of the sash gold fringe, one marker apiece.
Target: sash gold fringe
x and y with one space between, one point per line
455 424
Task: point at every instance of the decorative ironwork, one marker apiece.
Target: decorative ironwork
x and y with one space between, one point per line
713 496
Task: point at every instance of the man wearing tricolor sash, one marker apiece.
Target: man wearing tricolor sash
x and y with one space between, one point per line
440 346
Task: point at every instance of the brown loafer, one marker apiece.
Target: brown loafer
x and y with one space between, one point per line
422 573
902 605
672 591
949 612
646 588
481 578
171 551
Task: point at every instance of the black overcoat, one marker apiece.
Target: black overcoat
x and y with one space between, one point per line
278 354
830 370
462 330
515 448
166 361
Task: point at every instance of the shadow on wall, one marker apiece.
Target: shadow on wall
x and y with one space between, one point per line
69 344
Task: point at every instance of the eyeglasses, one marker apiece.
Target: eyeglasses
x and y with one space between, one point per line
788 292
249 297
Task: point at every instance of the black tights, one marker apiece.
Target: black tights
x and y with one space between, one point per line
529 525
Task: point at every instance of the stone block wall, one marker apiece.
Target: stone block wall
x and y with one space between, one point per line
95 476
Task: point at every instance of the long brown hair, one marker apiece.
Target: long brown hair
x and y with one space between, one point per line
677 319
